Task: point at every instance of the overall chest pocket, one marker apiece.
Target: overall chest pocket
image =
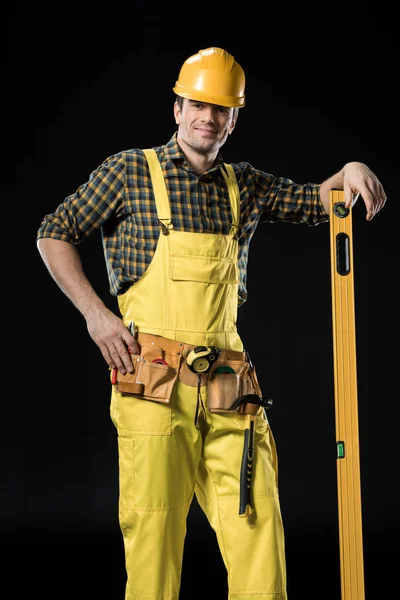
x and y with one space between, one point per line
204 269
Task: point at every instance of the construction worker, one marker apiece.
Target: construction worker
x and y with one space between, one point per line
176 223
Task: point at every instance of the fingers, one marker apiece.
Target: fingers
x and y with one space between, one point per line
118 353
348 194
372 193
116 342
374 200
124 357
382 197
134 348
118 357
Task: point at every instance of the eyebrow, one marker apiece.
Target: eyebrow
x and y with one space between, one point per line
204 102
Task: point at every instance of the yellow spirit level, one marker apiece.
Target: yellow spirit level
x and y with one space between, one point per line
346 403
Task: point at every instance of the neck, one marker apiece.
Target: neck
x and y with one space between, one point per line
198 161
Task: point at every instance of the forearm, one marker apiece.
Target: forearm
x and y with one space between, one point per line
64 265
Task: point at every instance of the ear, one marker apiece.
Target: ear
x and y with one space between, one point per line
232 126
177 113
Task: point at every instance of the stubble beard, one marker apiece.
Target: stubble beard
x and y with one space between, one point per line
201 146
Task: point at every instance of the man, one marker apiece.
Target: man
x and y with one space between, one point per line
176 223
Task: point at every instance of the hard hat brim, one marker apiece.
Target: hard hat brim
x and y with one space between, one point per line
228 101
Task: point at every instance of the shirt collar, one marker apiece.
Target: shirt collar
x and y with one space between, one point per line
172 151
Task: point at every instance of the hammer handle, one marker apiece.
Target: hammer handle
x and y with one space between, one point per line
246 471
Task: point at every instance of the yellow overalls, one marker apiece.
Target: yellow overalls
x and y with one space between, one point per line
189 293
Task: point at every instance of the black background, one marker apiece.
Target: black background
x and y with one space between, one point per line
320 93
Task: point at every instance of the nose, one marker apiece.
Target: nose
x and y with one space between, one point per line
208 114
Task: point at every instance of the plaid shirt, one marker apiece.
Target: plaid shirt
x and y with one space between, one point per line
118 200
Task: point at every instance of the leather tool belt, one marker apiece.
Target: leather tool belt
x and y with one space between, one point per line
162 362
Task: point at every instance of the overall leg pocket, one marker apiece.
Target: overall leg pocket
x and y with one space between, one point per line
135 415
142 426
159 450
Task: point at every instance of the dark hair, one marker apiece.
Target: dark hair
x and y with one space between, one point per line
179 101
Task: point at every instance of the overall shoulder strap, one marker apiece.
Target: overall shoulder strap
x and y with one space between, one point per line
234 196
159 187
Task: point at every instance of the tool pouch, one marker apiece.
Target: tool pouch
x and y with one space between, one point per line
224 388
150 380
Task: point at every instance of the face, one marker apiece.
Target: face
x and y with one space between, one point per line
203 127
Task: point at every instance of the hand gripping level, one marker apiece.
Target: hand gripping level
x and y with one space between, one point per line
346 404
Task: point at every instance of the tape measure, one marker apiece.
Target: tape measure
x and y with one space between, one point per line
200 359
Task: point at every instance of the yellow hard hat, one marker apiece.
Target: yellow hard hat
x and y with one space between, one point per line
212 75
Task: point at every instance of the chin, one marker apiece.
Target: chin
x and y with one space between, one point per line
206 146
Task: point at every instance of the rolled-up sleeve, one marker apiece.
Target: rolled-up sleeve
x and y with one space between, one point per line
292 202
91 206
